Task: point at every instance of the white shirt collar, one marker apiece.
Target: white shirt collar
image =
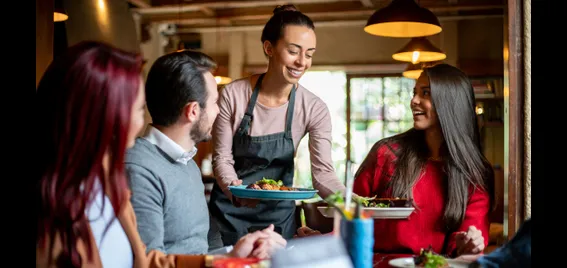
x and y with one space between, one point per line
171 148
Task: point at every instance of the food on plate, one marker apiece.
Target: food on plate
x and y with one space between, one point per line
389 202
337 199
429 259
269 184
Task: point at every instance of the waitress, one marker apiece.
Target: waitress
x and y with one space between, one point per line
262 119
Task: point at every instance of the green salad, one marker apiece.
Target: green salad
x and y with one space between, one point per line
337 199
430 259
265 180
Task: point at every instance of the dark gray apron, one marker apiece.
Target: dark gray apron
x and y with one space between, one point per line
269 156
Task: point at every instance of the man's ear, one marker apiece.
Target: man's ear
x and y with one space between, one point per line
192 111
268 48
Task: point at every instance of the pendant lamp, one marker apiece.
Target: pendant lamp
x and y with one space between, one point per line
101 20
403 18
221 80
419 49
59 13
413 71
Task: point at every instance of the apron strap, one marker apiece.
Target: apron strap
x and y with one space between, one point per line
248 115
289 116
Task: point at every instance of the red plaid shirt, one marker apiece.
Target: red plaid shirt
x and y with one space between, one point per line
425 226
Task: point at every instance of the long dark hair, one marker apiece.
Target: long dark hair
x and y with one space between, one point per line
464 164
84 102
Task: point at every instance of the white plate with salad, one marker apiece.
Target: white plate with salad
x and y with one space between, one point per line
409 262
375 212
376 208
429 259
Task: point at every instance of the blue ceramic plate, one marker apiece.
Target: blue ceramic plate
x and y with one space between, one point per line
301 193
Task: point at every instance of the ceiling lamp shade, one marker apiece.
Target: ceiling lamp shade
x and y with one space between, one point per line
419 49
413 71
59 14
403 18
222 80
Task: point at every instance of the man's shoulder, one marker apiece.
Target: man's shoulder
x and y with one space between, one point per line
144 157
143 153
141 146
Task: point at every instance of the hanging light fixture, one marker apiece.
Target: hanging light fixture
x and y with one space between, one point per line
221 80
403 18
413 71
419 49
59 13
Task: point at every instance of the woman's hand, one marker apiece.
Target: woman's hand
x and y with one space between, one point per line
239 202
260 244
306 231
469 242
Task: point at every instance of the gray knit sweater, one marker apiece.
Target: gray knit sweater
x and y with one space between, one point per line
169 201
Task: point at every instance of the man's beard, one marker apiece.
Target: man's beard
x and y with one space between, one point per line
200 132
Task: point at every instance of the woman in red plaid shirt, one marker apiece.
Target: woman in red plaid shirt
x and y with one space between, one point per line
439 165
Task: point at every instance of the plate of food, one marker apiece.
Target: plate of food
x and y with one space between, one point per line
268 189
377 208
429 259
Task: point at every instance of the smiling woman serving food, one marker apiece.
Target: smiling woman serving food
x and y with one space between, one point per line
439 165
262 119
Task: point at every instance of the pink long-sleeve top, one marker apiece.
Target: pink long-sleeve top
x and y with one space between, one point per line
311 115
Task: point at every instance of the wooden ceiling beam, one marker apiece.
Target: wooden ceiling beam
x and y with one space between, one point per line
198 5
208 11
140 3
367 3
262 15
318 24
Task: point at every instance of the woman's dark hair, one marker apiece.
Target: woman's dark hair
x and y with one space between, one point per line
174 80
84 101
283 16
464 164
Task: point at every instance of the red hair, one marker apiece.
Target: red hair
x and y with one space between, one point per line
85 99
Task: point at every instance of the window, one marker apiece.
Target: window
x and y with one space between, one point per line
377 107
331 88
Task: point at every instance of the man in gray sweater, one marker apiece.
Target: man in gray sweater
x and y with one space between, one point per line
167 189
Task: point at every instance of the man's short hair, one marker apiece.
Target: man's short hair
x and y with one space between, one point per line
174 80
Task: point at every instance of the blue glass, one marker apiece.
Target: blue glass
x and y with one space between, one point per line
358 238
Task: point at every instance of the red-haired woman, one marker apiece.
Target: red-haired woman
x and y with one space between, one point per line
91 107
